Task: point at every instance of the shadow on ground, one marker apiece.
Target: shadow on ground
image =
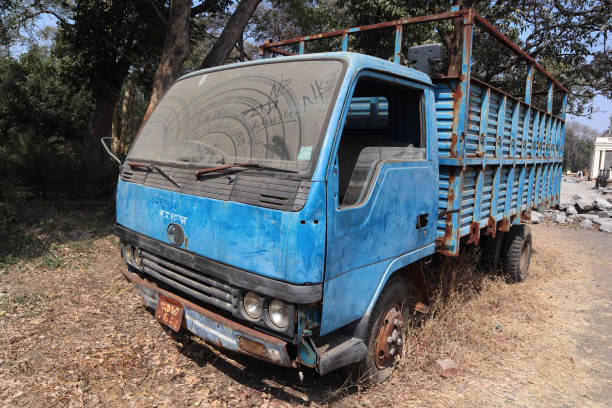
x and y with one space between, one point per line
282 383
30 228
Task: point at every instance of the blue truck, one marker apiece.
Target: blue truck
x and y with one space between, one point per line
286 208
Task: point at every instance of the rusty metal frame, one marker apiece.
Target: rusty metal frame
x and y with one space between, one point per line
513 152
469 15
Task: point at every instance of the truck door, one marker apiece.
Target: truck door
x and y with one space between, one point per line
382 192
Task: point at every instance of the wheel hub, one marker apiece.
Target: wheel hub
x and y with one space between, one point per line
389 338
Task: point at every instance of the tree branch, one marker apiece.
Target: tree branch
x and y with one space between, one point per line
208 6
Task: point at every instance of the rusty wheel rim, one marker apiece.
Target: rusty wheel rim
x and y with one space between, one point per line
389 339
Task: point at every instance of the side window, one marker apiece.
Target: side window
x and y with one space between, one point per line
383 124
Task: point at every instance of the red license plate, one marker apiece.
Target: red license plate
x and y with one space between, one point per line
169 312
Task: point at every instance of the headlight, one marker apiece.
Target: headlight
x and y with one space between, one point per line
252 305
279 313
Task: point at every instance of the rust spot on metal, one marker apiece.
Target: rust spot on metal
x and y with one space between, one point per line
447 253
389 340
448 230
453 145
504 224
377 26
421 307
474 236
457 94
491 227
252 347
280 51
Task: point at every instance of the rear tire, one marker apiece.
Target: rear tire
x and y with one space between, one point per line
516 253
384 333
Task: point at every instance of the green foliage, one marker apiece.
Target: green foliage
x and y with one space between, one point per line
44 117
106 38
569 38
578 147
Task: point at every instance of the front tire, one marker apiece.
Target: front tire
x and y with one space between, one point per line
384 333
516 253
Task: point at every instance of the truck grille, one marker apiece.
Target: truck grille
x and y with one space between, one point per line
190 282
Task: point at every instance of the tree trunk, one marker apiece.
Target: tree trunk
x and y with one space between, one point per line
231 33
176 51
101 120
454 40
127 99
115 130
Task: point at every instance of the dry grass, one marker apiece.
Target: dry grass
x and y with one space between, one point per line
505 338
74 333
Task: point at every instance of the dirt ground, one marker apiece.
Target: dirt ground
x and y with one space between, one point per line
74 333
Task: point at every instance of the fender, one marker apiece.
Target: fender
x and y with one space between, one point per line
402 265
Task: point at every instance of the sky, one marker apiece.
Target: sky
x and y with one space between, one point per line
600 120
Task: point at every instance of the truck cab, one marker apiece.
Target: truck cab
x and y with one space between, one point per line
280 195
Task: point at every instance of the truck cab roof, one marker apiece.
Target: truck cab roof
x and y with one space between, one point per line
355 61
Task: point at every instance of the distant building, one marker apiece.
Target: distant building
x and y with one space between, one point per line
602 154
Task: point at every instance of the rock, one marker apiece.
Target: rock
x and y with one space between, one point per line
597 221
586 223
602 214
558 217
536 217
584 205
571 218
566 205
606 227
589 217
602 204
447 368
571 210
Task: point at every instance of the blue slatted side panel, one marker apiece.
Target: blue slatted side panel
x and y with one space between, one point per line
520 129
444 94
501 202
525 196
491 135
473 121
522 147
529 138
467 204
507 138
443 198
515 191
487 193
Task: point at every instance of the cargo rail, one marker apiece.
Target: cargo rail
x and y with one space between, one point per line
500 156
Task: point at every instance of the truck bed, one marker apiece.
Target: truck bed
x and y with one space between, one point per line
504 162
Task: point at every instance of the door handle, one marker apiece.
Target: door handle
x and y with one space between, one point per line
422 220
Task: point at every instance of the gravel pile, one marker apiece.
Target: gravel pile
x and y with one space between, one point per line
592 211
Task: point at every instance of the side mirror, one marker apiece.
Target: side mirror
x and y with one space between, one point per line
423 55
108 150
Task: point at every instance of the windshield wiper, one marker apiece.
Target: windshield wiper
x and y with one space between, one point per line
250 165
150 167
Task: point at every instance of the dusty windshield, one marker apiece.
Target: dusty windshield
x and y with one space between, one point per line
274 114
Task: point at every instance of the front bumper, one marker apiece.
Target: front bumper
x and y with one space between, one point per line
217 329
